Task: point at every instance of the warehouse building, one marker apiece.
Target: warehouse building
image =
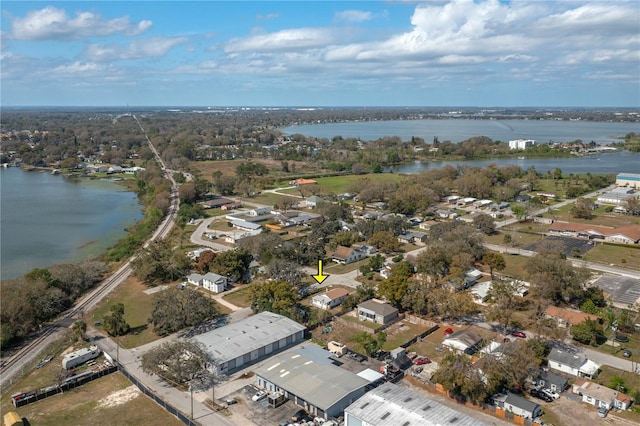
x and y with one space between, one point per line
392 405
249 340
309 378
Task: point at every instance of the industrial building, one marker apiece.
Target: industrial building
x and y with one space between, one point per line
310 378
249 340
392 405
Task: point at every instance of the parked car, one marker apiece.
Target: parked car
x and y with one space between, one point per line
541 395
626 353
448 331
258 396
298 415
552 394
603 411
622 338
231 401
421 360
519 334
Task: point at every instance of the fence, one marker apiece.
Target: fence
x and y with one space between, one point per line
170 408
24 398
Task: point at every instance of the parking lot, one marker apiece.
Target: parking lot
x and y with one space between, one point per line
566 245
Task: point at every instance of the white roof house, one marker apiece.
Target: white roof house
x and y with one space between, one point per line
392 405
249 340
467 341
571 361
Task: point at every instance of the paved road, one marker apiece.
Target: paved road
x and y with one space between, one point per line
183 401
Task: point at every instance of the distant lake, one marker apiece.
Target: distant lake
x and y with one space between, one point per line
610 162
457 130
49 219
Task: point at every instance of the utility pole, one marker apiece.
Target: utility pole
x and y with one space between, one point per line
191 391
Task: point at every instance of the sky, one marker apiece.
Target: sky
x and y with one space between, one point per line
321 53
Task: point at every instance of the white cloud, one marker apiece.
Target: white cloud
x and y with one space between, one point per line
293 39
77 68
52 23
354 16
149 48
268 16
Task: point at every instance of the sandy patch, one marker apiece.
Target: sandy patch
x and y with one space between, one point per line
119 397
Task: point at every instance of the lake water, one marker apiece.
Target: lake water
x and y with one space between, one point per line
456 130
611 162
49 219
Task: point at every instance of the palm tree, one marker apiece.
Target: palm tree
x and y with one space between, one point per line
79 328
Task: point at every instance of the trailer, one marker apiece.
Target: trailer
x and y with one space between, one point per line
80 356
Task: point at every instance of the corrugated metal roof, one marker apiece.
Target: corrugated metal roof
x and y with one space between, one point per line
392 405
306 373
247 335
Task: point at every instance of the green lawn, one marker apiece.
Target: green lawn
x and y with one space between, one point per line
240 297
137 310
85 405
620 255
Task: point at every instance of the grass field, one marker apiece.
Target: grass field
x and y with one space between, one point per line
228 167
341 184
240 297
86 405
137 310
624 256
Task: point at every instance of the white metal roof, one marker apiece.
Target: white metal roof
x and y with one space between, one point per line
238 338
308 373
392 405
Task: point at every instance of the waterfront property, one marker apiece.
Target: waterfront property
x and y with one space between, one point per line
244 342
521 143
308 377
628 179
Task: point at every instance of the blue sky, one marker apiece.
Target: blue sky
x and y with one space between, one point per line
322 53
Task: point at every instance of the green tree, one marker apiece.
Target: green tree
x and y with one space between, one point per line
233 264
587 332
485 223
178 361
278 297
582 208
79 328
495 261
520 212
114 323
385 241
370 343
175 309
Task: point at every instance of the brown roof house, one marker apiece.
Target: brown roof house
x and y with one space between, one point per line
330 299
346 255
377 311
567 317
601 396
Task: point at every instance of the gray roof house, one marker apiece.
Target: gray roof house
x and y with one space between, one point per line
377 311
518 405
467 341
392 405
210 281
309 378
571 361
244 342
551 381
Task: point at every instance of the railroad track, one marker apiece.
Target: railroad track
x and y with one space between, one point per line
18 359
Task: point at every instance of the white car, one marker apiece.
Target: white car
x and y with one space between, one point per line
258 396
552 394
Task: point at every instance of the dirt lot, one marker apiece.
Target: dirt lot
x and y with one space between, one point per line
570 412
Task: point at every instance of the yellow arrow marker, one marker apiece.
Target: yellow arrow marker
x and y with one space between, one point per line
320 277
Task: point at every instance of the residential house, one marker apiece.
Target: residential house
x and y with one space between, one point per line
601 396
426 226
571 361
313 201
626 234
346 255
447 214
329 299
466 341
465 201
210 281
260 211
377 311
471 277
550 381
565 318
231 206
195 254
518 405
216 203
300 182
412 237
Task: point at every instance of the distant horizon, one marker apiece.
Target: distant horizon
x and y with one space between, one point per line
558 54
491 107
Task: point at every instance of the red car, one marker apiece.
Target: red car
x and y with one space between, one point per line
519 334
421 360
448 331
